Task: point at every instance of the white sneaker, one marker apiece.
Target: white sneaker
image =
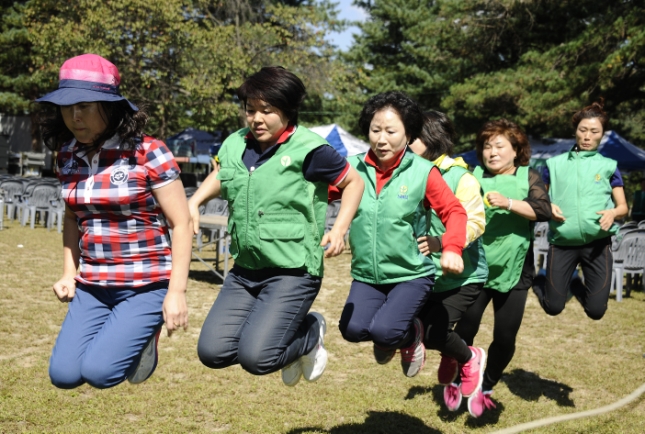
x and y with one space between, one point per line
314 363
291 373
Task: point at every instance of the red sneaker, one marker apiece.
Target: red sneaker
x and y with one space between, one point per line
414 357
448 369
472 372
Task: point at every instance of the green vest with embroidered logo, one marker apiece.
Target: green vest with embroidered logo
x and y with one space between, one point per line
384 232
277 217
475 266
580 186
508 235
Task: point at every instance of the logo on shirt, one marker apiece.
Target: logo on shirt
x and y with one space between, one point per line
403 192
285 161
70 168
598 178
119 175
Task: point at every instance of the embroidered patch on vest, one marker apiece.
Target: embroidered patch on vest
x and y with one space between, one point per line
403 190
598 178
285 161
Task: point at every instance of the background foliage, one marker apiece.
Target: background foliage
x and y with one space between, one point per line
533 61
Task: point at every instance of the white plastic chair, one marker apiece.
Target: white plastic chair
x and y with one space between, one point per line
13 190
40 202
540 244
629 258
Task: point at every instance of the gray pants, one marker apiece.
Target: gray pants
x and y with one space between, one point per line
260 321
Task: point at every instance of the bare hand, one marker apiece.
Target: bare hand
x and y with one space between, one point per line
556 213
175 311
451 262
497 199
428 244
65 289
607 218
335 243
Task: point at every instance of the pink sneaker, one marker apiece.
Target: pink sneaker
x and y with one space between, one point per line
479 402
472 372
452 396
448 369
414 357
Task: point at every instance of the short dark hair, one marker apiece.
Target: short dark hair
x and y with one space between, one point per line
595 110
120 118
276 86
438 134
513 134
408 110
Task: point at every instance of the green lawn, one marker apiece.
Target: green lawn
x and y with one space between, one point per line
562 365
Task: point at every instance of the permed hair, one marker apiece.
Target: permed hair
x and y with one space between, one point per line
407 109
119 118
276 86
513 134
438 134
595 110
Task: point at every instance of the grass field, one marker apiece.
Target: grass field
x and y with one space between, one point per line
562 365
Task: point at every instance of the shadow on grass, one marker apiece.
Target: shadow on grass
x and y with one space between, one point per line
490 417
377 422
530 387
205 276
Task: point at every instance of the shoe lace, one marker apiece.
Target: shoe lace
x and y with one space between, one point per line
452 392
487 402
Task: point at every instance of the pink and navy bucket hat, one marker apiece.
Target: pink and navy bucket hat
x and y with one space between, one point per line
86 78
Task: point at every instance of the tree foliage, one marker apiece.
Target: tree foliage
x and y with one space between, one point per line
533 61
181 59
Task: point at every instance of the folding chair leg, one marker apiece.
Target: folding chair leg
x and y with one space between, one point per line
619 286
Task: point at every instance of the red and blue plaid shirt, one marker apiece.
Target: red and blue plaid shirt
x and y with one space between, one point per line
123 236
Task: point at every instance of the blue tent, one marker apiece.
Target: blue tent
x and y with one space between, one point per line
346 144
629 157
192 142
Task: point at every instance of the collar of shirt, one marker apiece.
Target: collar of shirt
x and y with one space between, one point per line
383 175
288 132
372 160
111 143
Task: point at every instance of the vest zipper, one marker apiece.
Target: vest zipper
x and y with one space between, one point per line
578 197
248 216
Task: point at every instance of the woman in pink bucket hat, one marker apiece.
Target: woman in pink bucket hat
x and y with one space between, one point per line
120 277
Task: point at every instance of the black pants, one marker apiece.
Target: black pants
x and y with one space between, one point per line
509 310
440 314
596 261
260 320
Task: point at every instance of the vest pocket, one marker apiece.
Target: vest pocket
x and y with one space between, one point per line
282 238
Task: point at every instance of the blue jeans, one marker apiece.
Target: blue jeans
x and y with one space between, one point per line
384 313
260 321
103 335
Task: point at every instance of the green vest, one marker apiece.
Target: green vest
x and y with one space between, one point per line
508 235
580 187
475 266
277 217
384 232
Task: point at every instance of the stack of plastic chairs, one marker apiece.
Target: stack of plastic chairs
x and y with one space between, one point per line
12 189
629 258
39 202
